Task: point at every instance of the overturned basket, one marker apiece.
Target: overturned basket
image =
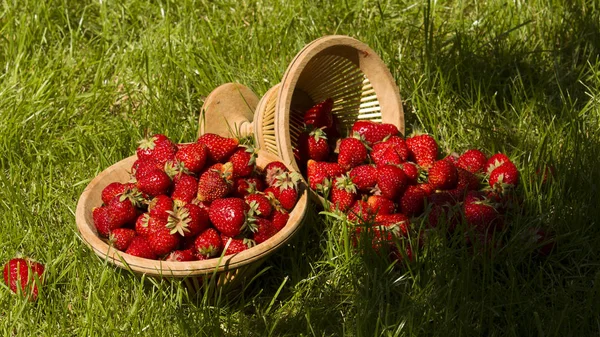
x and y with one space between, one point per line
229 269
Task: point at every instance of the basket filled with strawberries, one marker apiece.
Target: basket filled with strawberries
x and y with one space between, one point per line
179 210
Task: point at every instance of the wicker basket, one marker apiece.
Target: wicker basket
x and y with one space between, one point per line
229 269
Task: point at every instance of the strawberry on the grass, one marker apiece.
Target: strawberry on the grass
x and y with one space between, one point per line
423 150
23 275
343 193
352 152
373 132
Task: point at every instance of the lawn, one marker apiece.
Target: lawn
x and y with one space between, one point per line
81 82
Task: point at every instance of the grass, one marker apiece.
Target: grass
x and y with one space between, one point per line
81 82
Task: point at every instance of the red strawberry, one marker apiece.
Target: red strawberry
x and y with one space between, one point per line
208 244
188 220
428 188
343 194
467 181
215 183
313 145
411 171
352 152
160 206
244 161
472 160
181 256
288 189
154 183
364 176
103 221
246 186
122 211
443 211
219 148
360 212
443 175
264 230
140 247
381 205
320 114
273 170
114 189
480 213
317 172
263 205
412 202
185 189
234 246
22 276
505 176
272 193
495 161
142 167
162 241
390 151
228 215
120 238
396 224
158 148
279 219
423 150
193 157
373 132
391 181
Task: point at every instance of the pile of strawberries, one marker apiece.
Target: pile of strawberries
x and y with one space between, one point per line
382 182
195 201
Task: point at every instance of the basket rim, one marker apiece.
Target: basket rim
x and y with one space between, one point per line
180 269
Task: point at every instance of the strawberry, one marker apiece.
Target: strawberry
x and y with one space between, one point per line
373 132
443 211
158 148
142 167
272 193
343 194
208 244
181 256
472 160
160 206
495 161
193 157
360 212
234 246
320 114
228 215
103 221
264 230
263 205
391 181
423 150
443 175
185 189
288 189
428 188
396 224
122 211
120 238
317 172
467 181
188 220
244 161
352 152
246 186
154 183
364 177
411 171
480 213
279 219
505 176
215 183
390 151
273 170
140 247
114 189
218 148
162 241
412 202
381 205
313 145
22 276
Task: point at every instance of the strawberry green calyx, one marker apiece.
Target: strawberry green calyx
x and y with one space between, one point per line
288 180
148 143
134 196
250 223
253 153
173 168
345 183
318 133
249 242
179 221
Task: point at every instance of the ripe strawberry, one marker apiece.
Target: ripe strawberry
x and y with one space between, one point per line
246 186
234 246
443 175
373 132
288 189
142 167
272 193
381 205
391 181
188 220
412 202
244 161
505 176
423 150
472 160
162 241
181 256
320 114
215 183
122 211
264 230
193 157
219 148
495 161
480 213
396 224
313 145
343 194
391 151
317 172
428 188
443 212
120 238
158 148
160 206
228 215
114 189
467 181
208 244
411 171
273 170
22 276
185 189
364 177
360 212
140 247
154 183
103 221
263 205
352 152
279 219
